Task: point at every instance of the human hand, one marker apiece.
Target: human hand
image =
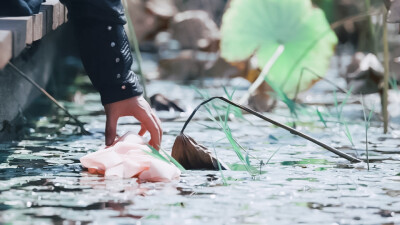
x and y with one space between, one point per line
141 110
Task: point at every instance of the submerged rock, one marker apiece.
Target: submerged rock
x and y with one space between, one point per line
394 11
221 68
186 65
195 30
215 8
365 73
261 100
150 17
162 8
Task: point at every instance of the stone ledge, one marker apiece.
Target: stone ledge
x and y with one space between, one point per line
5 47
27 29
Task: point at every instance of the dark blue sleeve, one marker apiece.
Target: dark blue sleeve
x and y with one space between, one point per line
107 57
19 7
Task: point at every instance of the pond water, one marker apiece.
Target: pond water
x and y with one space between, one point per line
42 182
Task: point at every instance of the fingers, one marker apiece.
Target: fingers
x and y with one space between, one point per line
111 130
158 122
151 125
142 130
149 121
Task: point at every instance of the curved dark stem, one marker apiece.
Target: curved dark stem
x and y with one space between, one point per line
194 112
291 130
317 75
36 85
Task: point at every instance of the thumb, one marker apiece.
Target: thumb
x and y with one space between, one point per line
111 130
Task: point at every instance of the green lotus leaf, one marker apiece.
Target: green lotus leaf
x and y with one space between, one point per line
259 27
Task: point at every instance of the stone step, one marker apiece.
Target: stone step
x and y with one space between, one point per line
53 8
24 30
37 26
5 47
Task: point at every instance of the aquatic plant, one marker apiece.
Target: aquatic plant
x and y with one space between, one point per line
167 158
339 110
327 6
321 118
220 168
367 124
385 112
133 37
393 84
284 35
237 147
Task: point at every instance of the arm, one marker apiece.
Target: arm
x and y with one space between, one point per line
106 56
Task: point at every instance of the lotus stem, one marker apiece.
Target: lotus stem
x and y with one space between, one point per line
37 86
261 78
366 121
319 77
138 55
291 130
386 76
371 29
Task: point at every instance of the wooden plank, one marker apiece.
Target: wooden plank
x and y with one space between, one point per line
61 19
25 21
65 14
19 34
5 47
37 26
53 8
47 19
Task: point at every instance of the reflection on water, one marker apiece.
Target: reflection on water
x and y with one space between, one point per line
42 182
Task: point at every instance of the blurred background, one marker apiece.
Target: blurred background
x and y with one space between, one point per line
343 43
328 68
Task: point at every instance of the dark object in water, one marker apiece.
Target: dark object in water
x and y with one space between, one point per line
394 11
393 7
291 130
365 74
261 100
193 156
161 103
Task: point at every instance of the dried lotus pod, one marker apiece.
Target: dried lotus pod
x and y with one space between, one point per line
193 156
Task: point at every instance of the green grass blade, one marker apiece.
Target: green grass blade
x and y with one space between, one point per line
336 105
366 130
176 163
321 118
156 154
213 109
220 168
273 154
345 101
347 132
247 158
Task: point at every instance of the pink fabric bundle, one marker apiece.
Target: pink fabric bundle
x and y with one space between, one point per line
127 158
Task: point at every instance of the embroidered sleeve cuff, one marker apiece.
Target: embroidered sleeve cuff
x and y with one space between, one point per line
128 89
